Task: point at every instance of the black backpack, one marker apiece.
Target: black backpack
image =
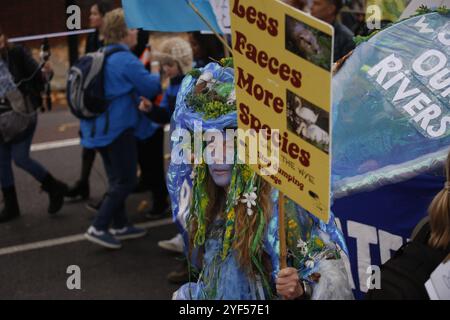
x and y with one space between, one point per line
403 277
86 85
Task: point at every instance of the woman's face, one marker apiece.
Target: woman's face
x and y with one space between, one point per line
95 18
221 174
171 69
219 170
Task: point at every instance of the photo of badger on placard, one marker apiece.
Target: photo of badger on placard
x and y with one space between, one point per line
308 43
308 121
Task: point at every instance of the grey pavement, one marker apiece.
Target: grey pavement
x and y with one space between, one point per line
137 271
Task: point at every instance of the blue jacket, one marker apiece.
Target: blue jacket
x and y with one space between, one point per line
126 79
163 113
145 127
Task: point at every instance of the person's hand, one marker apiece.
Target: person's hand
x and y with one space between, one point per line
288 284
145 105
155 67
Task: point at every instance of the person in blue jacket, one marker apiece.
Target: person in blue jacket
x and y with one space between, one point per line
94 42
176 59
113 133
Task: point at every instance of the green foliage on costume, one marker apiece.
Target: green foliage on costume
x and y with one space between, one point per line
212 104
215 109
234 194
200 203
212 98
197 101
243 180
195 73
225 89
227 62
305 245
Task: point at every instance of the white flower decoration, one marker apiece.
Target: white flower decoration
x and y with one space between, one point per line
302 246
310 264
250 201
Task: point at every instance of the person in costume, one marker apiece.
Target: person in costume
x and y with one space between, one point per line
230 219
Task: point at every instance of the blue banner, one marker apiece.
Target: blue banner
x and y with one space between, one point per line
391 110
391 128
375 224
168 15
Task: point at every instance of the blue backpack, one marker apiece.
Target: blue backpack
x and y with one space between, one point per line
86 85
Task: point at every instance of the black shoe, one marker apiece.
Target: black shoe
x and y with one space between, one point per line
56 192
80 189
158 212
11 210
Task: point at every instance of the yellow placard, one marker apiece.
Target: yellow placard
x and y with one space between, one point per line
283 61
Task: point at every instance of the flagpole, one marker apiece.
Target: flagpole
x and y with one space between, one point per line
221 39
282 231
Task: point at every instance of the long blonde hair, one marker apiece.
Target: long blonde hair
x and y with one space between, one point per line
439 213
245 226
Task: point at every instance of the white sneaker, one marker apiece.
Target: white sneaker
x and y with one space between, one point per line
102 238
176 244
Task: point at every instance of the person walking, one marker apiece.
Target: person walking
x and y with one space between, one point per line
112 133
22 80
95 41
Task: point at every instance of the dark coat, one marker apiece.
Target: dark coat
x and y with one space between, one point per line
22 66
403 277
93 42
343 41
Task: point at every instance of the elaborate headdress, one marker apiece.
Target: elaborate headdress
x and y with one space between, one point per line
207 97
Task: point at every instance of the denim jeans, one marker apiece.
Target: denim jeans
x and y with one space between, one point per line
19 152
120 162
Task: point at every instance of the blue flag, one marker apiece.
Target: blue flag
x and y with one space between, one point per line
169 15
375 224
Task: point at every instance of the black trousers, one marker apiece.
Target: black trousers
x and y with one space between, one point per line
151 162
88 159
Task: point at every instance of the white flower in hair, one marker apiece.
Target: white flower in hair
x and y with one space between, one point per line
250 200
302 246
